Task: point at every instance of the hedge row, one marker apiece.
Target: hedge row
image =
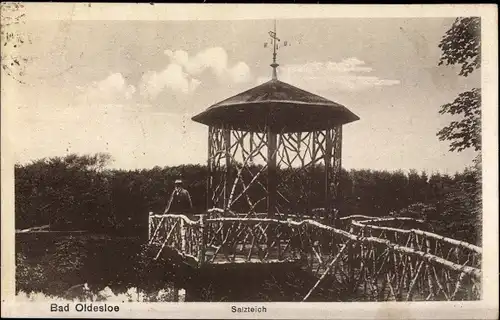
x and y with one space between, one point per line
78 192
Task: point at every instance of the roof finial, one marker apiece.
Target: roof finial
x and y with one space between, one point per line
274 42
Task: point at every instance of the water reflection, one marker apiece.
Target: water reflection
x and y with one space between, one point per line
83 293
110 268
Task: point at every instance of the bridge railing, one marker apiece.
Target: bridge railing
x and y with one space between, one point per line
316 214
442 268
458 252
176 231
370 260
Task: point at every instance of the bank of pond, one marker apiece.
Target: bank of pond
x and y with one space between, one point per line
95 267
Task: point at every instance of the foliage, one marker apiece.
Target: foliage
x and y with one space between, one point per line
419 210
461 45
77 192
465 133
53 264
458 202
454 205
118 201
462 206
64 191
29 276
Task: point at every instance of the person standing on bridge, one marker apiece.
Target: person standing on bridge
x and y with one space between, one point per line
180 200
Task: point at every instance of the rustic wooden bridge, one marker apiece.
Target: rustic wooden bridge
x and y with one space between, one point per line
376 259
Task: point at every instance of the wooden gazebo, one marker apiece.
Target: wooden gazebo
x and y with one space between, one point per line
268 145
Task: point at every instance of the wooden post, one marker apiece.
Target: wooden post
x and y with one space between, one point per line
271 182
338 186
313 172
210 160
183 235
227 182
201 253
271 173
150 225
251 145
328 158
338 158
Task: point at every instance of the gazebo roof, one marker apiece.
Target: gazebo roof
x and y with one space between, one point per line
277 104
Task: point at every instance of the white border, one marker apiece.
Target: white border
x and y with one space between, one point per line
485 309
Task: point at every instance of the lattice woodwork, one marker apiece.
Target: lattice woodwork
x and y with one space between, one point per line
370 261
240 164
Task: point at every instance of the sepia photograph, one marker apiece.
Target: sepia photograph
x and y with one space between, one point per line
244 161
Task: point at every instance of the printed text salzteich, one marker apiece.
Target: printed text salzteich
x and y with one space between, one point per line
245 309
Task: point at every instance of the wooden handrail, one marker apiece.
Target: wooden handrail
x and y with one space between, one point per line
475 272
423 233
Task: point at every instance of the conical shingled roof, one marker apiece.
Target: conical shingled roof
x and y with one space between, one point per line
283 107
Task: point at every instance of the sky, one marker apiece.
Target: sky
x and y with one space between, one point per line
130 88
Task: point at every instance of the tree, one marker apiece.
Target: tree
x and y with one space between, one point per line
461 206
64 192
465 133
461 45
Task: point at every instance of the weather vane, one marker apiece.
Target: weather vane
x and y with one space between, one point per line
275 42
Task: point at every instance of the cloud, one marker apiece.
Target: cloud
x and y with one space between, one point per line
182 74
111 90
240 73
350 65
350 74
214 59
172 77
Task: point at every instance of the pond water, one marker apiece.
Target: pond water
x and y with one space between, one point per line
104 295
94 267
88 266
